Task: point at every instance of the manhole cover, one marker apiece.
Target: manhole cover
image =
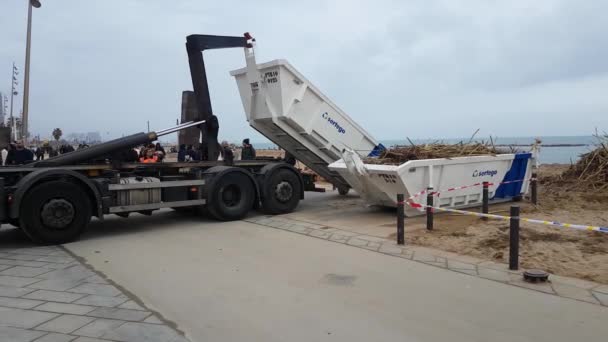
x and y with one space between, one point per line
535 276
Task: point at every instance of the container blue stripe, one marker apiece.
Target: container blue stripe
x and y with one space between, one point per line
517 172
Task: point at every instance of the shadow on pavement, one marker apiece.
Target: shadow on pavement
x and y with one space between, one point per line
111 226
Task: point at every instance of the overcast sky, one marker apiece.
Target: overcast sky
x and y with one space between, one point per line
399 68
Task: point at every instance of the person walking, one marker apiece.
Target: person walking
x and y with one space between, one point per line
39 153
227 153
4 154
160 151
20 155
181 154
248 152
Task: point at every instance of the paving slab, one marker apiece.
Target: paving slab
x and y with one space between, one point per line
357 242
11 291
96 289
105 301
493 274
143 331
24 257
153 319
542 287
24 271
56 259
96 279
56 337
11 262
88 339
601 288
19 303
35 306
131 305
66 308
389 249
574 292
602 297
56 284
121 314
70 273
54 296
20 318
16 281
457 265
99 327
41 251
65 323
8 334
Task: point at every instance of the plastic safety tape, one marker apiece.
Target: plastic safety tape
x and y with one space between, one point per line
548 223
437 193
411 203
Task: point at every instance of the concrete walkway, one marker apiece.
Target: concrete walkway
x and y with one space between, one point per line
46 295
240 281
583 290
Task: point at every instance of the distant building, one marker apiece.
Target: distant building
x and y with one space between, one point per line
89 137
93 138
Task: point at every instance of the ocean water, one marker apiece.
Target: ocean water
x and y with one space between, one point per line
548 154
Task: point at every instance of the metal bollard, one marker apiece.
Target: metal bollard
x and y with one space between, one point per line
533 189
429 208
485 200
514 238
400 220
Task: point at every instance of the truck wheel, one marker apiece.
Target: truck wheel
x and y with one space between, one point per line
231 198
343 190
282 192
14 221
55 212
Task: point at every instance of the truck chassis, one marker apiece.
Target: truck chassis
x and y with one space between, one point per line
55 204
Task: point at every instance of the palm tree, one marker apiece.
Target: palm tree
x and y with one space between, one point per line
57 133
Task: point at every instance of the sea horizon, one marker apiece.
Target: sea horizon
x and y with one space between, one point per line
548 154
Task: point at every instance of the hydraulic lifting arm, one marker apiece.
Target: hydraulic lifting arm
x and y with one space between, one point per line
196 44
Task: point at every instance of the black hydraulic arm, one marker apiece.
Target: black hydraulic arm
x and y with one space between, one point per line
195 45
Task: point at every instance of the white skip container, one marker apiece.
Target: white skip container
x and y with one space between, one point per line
380 184
285 107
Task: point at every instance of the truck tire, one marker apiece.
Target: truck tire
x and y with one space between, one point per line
281 192
14 221
55 212
231 197
343 190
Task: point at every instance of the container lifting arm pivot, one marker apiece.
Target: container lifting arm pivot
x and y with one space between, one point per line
195 45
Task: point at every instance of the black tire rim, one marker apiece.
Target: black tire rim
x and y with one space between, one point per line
57 214
231 195
283 192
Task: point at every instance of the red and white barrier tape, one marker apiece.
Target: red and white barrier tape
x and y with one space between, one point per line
411 203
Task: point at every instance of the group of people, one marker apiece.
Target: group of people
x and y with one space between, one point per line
18 154
152 153
188 153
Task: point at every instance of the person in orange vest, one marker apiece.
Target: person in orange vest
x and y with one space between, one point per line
149 156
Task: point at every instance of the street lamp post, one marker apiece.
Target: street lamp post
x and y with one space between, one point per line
26 75
14 92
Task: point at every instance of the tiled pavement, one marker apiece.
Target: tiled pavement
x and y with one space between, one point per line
46 295
577 289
